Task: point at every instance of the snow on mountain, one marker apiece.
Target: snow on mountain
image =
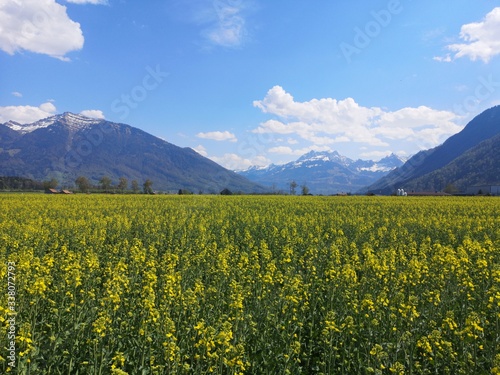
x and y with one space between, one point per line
323 156
324 172
254 168
71 120
318 159
386 164
67 146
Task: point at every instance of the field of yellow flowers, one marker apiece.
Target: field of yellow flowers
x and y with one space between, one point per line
95 284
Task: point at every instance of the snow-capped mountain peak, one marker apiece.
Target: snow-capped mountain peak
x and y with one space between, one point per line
323 156
385 164
257 168
71 120
325 172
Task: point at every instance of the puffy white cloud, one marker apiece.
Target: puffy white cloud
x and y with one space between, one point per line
236 162
313 118
26 114
93 113
281 150
327 121
40 26
48 107
218 136
320 112
278 127
285 150
425 126
345 119
480 39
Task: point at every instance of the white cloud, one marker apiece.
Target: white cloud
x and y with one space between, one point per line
26 114
237 163
327 121
480 39
375 155
218 136
227 24
446 58
40 26
227 35
285 150
425 126
17 94
48 107
281 150
321 121
201 150
337 113
93 113
305 150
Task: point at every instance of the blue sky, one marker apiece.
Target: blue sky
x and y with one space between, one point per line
254 82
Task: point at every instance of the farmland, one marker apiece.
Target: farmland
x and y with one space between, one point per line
250 285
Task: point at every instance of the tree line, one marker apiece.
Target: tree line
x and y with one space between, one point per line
10 183
106 185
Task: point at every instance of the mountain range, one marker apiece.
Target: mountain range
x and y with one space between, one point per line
323 172
470 157
67 146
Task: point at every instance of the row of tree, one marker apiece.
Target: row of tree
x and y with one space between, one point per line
106 184
9 183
